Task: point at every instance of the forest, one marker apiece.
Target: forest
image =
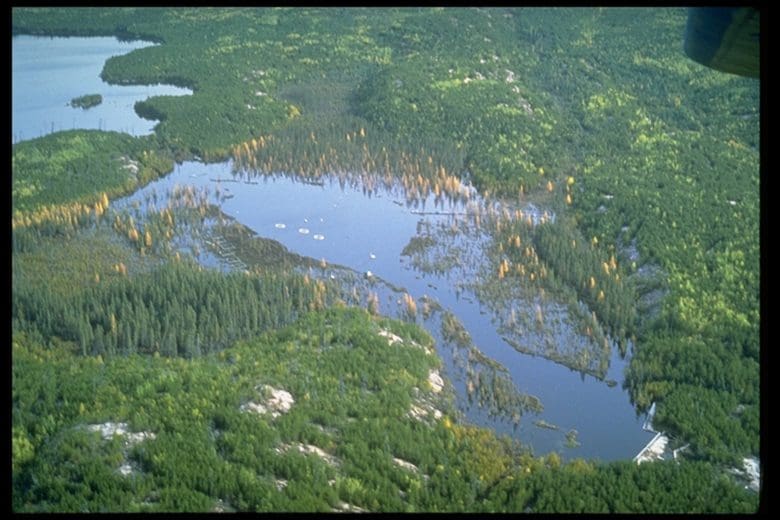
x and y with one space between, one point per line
650 162
203 450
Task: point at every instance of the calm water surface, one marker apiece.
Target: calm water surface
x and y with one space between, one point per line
48 72
345 226
342 224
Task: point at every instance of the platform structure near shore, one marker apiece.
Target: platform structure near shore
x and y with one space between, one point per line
654 450
648 424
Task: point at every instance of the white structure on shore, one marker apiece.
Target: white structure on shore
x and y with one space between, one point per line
648 424
654 449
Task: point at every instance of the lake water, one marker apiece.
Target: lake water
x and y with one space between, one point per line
344 225
366 231
48 72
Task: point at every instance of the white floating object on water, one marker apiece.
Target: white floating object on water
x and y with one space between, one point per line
306 220
280 225
372 256
319 237
303 231
369 274
322 219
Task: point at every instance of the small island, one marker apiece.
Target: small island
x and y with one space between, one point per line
87 101
541 423
571 439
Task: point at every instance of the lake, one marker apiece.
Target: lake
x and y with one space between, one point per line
47 73
367 230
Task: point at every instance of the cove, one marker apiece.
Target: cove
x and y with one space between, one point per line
48 72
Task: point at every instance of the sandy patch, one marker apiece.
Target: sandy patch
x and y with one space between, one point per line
109 429
423 412
753 472
308 449
278 402
654 449
392 339
436 382
130 164
343 507
405 464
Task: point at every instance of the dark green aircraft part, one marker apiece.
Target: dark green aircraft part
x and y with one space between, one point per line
724 38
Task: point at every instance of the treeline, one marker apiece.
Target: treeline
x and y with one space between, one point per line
352 396
486 381
472 93
553 255
666 158
708 395
577 263
176 310
490 119
668 174
78 166
624 487
664 151
235 64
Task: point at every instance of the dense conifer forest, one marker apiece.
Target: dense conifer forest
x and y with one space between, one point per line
142 381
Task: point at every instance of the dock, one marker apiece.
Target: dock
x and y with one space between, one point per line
654 449
648 424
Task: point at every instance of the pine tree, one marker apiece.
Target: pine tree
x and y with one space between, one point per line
98 342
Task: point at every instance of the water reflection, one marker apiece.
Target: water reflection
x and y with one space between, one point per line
416 239
377 235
